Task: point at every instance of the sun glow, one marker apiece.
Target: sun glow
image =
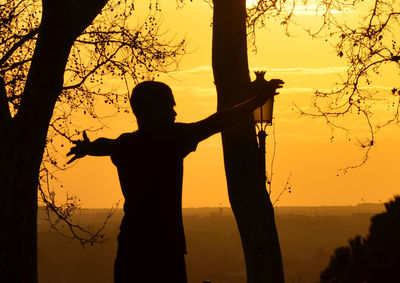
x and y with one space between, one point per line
251 3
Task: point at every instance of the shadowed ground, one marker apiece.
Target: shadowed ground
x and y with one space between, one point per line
308 237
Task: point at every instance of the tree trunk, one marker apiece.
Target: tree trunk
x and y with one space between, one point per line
22 141
248 196
23 138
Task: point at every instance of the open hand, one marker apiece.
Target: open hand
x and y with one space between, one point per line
266 89
274 84
80 149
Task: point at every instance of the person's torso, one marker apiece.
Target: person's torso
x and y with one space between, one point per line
150 169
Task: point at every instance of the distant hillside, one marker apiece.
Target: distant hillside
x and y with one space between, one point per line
308 236
204 211
368 208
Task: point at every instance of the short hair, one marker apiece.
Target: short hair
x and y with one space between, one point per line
149 93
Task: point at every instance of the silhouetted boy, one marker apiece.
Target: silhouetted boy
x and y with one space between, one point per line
151 243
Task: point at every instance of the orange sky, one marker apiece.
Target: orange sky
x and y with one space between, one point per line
303 146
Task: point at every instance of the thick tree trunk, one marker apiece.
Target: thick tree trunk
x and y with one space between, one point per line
22 143
249 199
18 201
23 138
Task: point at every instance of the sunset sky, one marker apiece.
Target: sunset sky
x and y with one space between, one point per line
304 149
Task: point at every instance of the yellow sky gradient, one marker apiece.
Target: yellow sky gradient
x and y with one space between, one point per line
304 149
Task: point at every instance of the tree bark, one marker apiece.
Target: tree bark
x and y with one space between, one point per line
248 196
5 114
23 137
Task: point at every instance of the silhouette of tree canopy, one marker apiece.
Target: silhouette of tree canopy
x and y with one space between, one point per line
374 258
111 48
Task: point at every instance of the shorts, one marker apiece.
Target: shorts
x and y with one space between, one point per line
149 267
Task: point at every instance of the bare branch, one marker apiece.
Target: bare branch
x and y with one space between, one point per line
64 213
18 44
15 65
92 71
287 187
368 47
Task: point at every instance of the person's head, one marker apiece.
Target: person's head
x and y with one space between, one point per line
153 104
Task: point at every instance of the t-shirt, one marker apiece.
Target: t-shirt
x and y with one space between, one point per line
150 170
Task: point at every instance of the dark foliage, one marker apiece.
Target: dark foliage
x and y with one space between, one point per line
371 259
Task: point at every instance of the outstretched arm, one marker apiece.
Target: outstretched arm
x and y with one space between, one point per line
230 117
99 147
